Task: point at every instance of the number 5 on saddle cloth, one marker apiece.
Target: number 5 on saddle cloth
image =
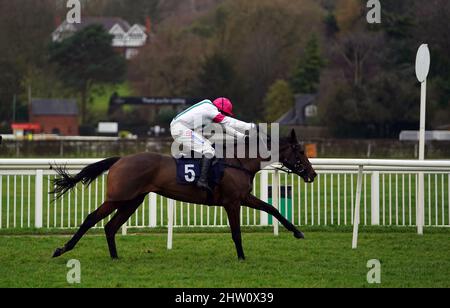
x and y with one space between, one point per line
188 171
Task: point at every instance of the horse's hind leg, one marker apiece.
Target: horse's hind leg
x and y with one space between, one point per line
234 214
122 215
102 212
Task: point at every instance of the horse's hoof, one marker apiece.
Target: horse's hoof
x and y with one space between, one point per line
299 235
58 252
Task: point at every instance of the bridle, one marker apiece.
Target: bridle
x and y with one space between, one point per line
286 165
296 167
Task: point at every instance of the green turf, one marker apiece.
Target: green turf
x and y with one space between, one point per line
325 259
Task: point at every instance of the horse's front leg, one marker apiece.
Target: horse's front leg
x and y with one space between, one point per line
234 213
255 203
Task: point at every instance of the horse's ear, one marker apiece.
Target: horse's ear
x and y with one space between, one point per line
294 139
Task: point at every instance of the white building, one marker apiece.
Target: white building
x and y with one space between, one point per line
127 39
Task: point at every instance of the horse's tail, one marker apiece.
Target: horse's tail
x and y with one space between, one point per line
66 182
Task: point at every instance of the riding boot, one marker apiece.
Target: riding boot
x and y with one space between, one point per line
203 181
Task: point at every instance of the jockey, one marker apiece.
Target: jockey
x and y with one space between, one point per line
187 126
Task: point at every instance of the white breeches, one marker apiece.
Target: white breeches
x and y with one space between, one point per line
191 141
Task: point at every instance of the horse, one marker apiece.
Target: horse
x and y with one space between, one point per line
132 178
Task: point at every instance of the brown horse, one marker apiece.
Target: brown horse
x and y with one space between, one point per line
131 178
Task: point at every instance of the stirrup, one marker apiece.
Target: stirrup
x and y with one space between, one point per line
204 186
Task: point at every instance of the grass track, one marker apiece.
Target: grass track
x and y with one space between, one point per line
209 260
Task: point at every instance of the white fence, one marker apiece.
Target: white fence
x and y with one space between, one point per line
388 197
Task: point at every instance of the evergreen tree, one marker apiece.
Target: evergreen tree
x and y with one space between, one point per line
215 78
331 25
87 59
306 77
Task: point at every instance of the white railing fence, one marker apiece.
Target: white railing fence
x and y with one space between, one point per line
387 193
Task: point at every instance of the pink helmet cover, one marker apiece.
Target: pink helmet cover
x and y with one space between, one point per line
224 105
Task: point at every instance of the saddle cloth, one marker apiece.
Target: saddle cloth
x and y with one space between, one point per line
189 169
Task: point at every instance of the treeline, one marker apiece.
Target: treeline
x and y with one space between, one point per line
238 50
260 53
369 87
26 66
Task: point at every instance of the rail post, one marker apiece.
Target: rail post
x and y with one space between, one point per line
39 186
263 186
152 210
170 224
375 198
276 199
420 203
124 228
357 207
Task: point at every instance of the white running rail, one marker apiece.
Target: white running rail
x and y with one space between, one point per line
386 189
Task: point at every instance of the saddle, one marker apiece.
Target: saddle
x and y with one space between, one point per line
188 171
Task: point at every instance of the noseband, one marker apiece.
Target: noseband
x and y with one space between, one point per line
296 167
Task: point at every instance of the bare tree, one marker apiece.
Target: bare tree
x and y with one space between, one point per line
357 50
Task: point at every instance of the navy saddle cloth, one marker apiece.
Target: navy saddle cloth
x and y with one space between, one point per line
189 169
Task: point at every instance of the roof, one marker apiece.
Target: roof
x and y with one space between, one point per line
107 22
26 126
60 107
296 116
444 127
433 135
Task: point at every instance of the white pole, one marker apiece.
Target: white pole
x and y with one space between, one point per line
170 225
357 208
276 199
422 70
421 192
423 112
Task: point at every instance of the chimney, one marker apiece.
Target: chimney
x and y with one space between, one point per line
57 21
148 25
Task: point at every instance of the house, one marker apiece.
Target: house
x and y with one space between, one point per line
303 118
305 108
55 116
127 39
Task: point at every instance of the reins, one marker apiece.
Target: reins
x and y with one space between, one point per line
241 167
